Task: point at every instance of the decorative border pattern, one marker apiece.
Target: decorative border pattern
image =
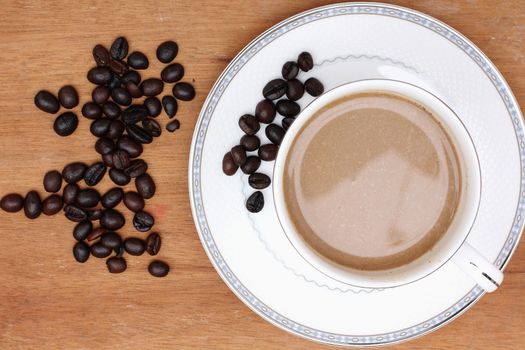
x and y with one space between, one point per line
198 142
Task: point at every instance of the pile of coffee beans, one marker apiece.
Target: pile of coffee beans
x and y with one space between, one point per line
280 97
122 126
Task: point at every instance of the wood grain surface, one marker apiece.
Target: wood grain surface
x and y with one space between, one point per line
48 301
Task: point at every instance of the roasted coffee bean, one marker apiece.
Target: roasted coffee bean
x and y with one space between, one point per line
314 87
173 125
139 134
305 61
158 268
100 94
100 127
252 164
119 251
12 203
152 127
259 181
131 76
104 145
94 214
52 181
133 89
70 193
112 219
121 96
65 124
115 82
167 51
255 202
52 204
101 55
172 73
95 173
152 87
134 246
138 60
74 172
170 105
295 90
119 48
100 75
74 213
275 89
275 133
268 152
82 229
116 265
131 146
81 252
143 221
134 201
98 250
121 159
136 168
88 198
286 123
290 70
250 142
288 108
112 198
111 240
111 109
249 124
119 177
47 102
116 129
95 234
91 110
183 91
153 105
265 111
134 114
118 67
145 186
229 167
108 159
238 154
68 96
153 243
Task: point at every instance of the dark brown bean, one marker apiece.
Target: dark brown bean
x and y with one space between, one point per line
100 94
131 76
265 111
116 265
68 96
118 67
255 202
112 219
119 48
259 181
95 173
134 201
47 102
290 70
252 164
228 164
249 124
104 145
136 168
88 198
158 268
134 246
152 87
143 221
98 250
82 230
313 87
99 75
133 89
108 159
65 124
145 186
250 142
288 108
75 213
101 55
111 240
94 214
12 203
100 127
91 110
170 105
152 127
173 125
121 96
153 105
295 90
153 243
138 60
286 123
121 159
139 134
167 51
74 172
172 73
95 234
268 152
131 146
305 61
115 82
275 89
52 204
183 91
238 154
116 129
70 193
112 198
52 181
81 252
275 133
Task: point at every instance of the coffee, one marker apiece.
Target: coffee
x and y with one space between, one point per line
372 181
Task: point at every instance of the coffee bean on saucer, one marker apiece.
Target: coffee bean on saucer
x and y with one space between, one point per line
91 110
145 186
153 106
238 154
268 152
252 164
158 268
47 102
118 67
74 172
290 70
138 134
131 76
143 221
152 127
95 173
112 219
121 159
275 133
12 203
99 75
153 243
275 89
112 198
101 55
183 91
305 61
131 146
74 213
255 202
250 142
52 204
100 94
88 198
95 234
265 111
66 124
52 181
119 177
82 229
138 60
134 201
98 250
229 167
100 127
314 87
249 124
81 252
104 145
288 108
69 195
116 265
133 89
170 105
259 181
295 90
173 125
134 246
32 205
172 73
167 51
152 87
119 48
136 168
286 123
68 96
111 240
121 96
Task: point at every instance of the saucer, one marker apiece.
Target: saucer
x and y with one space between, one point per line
350 42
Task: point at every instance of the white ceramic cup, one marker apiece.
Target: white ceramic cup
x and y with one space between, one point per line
452 246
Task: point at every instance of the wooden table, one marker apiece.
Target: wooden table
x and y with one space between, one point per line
48 301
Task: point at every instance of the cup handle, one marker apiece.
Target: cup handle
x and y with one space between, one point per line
483 272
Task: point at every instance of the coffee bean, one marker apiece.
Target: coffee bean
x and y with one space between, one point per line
249 124
81 252
275 133
172 73
119 177
259 181
91 110
101 55
158 268
94 174
183 91
152 127
112 197
286 123
139 134
116 129
115 82
52 204
52 181
314 87
68 96
229 167
119 48
104 145
131 146
265 111
12 203
134 246
119 251
152 87
173 125
112 219
295 90
153 105
94 214
47 102
131 76
98 250
167 51
250 142
111 109
74 213
238 154
143 221
70 193
111 240
65 124
170 105
288 108
290 70
116 265
82 229
134 201
134 114
74 172
95 234
145 186
133 89
108 159
153 243
121 159
252 164
118 67
268 152
99 75
305 61
100 94
88 198
275 89
121 96
138 60
100 127
255 202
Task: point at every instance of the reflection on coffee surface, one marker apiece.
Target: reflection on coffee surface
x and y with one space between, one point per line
372 181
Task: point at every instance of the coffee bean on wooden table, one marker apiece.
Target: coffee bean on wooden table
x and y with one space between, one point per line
158 268
255 202
173 125
143 221
252 164
131 76
295 90
288 108
99 75
100 94
75 213
108 159
153 243
238 154
290 70
91 110
100 127
112 197
74 172
259 181
153 106
184 91
265 111
47 102
81 252
116 265
115 82
275 89
95 234
112 219
121 159
138 134
98 250
69 195
152 127
305 61
52 204
118 67
68 96
111 240
275 133
116 129
229 167
88 198
145 186
101 55
32 205
286 123
12 203
167 51
152 87
250 142
111 109
65 124
82 229
134 201
52 181
134 246
94 214
133 89
138 60
313 87
119 177
249 124
104 145
172 73
95 173
119 48
268 152
121 96
170 105
131 146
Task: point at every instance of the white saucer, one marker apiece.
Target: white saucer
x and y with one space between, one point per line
352 42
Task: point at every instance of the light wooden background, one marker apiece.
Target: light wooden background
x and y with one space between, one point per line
47 301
